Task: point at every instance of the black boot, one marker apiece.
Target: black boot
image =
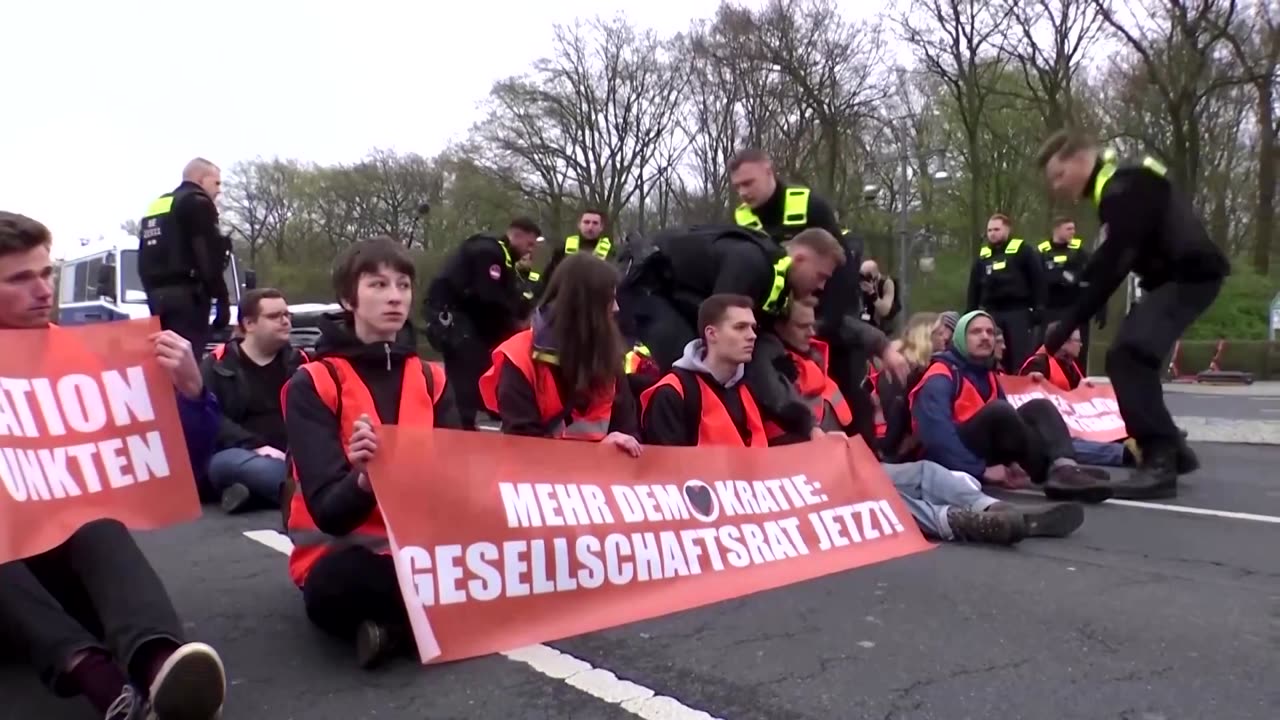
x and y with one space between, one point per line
1157 478
1187 460
1045 520
376 643
995 528
1073 482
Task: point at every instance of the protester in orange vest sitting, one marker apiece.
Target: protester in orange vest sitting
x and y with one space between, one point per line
963 423
565 376
367 373
804 368
703 400
247 375
1060 369
135 661
998 351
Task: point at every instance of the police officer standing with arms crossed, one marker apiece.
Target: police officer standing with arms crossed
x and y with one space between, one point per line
182 255
475 303
781 211
590 239
1065 258
1007 282
1151 229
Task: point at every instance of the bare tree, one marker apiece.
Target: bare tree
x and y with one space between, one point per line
1047 41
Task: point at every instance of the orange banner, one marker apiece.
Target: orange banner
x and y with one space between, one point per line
91 430
505 541
1091 413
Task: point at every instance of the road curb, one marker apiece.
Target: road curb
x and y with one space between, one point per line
1226 430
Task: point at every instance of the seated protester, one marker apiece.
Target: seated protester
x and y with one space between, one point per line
91 614
893 425
964 423
1060 369
948 506
998 351
247 375
367 373
804 367
703 400
565 377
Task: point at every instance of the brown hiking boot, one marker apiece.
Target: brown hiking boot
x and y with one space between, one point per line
983 527
1073 482
1045 520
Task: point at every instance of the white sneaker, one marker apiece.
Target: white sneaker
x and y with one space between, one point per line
191 685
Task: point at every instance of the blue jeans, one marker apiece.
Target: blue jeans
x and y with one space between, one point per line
929 490
264 476
1091 452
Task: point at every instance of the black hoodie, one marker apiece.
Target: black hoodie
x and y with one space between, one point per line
327 481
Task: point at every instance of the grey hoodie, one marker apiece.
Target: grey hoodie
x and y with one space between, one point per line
692 360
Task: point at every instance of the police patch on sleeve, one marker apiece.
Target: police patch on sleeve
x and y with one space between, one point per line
495 271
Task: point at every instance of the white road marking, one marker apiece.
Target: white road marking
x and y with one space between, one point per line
597 682
1228 514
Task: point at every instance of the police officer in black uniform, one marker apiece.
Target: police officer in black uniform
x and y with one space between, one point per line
474 304
781 210
688 264
1065 258
590 239
182 255
1007 281
1151 229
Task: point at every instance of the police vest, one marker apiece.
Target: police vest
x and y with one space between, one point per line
715 425
1056 256
1111 162
993 266
966 402
344 393
530 279
778 299
817 389
573 244
1057 373
795 210
163 257
637 358
535 366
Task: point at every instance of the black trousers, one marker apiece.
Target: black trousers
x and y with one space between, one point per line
467 356
1019 336
96 590
1033 435
1145 338
848 368
184 310
352 585
664 329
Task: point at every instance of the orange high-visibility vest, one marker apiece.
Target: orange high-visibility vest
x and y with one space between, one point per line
1057 373
715 425
818 390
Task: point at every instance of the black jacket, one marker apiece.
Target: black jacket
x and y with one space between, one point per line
672 420
820 215
326 480
197 219
225 378
699 261
1021 284
479 280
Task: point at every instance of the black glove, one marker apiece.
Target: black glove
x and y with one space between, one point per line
222 318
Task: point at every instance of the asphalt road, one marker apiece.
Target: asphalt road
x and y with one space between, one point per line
1144 614
1236 407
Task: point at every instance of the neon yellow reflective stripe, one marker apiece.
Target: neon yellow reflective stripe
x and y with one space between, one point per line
603 246
549 358
795 206
1155 166
1104 176
1060 258
528 294
746 217
776 300
998 265
642 350
571 245
1075 244
159 206
1044 246
534 276
506 253
984 252
1013 247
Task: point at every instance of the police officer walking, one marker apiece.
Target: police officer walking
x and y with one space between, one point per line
590 239
1152 230
182 255
1065 258
474 304
1007 282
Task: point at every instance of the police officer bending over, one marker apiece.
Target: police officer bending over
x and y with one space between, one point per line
182 255
1008 283
474 304
690 264
1152 230
1065 258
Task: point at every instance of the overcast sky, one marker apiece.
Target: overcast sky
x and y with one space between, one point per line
105 101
